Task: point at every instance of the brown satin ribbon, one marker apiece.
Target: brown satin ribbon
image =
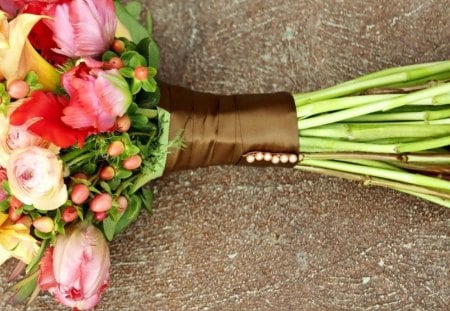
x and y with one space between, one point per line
220 129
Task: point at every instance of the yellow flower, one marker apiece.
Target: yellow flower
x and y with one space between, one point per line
16 241
17 55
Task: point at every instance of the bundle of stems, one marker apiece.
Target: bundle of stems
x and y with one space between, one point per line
390 128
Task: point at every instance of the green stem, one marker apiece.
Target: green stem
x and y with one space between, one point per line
409 178
404 116
368 132
373 181
309 144
378 79
335 104
79 159
382 105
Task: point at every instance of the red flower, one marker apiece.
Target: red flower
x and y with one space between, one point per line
47 109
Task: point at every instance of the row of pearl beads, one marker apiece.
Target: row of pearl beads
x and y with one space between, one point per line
275 158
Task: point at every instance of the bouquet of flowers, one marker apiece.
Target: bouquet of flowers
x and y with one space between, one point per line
84 126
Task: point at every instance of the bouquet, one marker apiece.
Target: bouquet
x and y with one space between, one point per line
85 125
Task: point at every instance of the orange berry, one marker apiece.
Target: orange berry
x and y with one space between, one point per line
69 214
101 203
107 173
80 193
132 162
123 123
18 89
116 148
44 224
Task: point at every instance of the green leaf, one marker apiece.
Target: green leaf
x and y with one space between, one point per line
137 31
114 183
123 174
133 59
127 72
105 186
135 86
132 150
138 121
149 85
149 24
147 199
134 8
108 55
148 100
149 49
130 214
25 288
109 228
37 259
42 235
4 205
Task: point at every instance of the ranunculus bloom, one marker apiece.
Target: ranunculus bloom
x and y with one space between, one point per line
16 241
76 269
77 28
17 55
35 177
96 98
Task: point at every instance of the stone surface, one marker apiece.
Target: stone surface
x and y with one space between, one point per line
235 238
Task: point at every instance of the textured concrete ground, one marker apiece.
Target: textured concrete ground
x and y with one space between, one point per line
235 238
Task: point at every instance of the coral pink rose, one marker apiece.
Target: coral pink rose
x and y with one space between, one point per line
76 269
35 177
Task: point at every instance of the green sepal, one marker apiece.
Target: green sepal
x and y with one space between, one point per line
133 59
127 72
130 214
108 55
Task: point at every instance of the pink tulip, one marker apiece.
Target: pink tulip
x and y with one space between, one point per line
78 28
76 269
97 96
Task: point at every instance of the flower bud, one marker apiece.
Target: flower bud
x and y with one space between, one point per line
44 224
115 149
100 216
18 89
25 220
107 173
123 203
132 162
14 213
101 203
69 214
123 123
80 193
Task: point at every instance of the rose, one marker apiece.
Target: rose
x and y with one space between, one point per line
97 97
77 28
76 269
35 177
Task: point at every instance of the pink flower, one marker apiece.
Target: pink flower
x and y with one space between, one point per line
76 269
79 28
97 96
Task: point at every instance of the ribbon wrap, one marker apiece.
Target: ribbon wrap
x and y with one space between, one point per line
221 129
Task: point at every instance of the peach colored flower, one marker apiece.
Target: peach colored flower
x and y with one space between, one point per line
35 177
